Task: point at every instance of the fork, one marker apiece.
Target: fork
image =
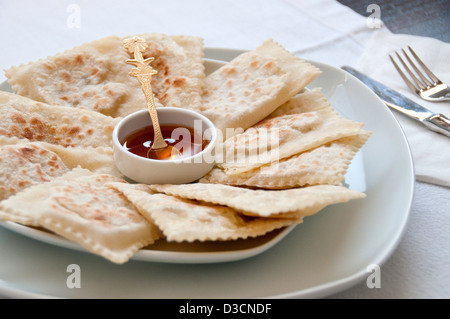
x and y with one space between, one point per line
431 89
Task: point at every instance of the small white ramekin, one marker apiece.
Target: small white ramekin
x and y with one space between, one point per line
178 171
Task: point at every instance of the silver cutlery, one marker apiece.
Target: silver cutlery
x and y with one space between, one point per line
431 88
434 121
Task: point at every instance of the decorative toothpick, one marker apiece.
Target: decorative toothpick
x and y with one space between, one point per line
144 72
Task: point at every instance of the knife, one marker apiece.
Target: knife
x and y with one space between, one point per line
434 121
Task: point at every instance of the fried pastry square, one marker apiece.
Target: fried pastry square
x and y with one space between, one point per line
24 163
326 165
295 202
250 87
94 75
91 76
81 208
281 137
67 126
189 220
179 63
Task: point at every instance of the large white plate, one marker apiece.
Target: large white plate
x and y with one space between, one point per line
329 252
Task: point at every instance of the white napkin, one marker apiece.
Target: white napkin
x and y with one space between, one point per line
430 150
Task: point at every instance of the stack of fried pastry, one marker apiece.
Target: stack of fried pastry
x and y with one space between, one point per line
56 163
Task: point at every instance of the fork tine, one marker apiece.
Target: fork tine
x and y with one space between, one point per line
407 81
418 72
415 79
424 67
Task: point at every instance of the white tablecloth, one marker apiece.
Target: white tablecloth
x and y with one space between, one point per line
322 30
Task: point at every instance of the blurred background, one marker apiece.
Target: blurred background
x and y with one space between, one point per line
417 17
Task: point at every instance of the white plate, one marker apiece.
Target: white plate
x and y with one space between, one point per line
329 252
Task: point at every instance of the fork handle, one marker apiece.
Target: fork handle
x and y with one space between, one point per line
438 123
